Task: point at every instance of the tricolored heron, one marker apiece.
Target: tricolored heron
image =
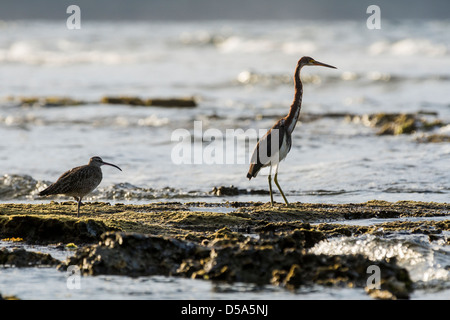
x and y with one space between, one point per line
79 181
276 143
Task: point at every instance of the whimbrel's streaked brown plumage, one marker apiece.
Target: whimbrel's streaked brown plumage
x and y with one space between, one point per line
276 143
79 181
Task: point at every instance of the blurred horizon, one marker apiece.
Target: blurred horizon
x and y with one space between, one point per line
187 10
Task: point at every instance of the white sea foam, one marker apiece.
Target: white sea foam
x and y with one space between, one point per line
425 261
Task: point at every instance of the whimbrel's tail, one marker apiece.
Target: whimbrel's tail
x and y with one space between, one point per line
48 191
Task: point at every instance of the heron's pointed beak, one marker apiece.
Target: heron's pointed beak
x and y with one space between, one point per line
112 165
317 63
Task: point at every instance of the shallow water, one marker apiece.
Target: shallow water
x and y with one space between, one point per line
33 283
241 75
154 287
375 221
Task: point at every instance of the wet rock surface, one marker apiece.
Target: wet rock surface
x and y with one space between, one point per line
132 254
232 191
248 242
186 102
56 101
399 123
35 229
281 261
50 101
434 138
19 257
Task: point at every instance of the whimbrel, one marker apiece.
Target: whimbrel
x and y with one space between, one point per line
276 143
79 181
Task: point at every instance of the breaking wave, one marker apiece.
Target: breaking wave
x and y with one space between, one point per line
426 261
289 38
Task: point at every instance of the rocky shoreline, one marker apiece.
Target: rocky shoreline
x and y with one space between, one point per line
425 126
232 242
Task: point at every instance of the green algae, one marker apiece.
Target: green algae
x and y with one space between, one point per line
56 101
434 138
39 229
231 257
250 242
413 227
185 102
398 123
19 257
50 101
177 220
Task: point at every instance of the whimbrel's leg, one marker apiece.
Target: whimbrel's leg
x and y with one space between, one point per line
78 205
275 178
270 187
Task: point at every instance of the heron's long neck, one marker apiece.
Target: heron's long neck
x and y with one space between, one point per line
292 117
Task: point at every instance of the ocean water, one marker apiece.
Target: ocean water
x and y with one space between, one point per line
240 73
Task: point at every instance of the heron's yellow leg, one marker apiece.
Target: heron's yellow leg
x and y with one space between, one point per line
279 188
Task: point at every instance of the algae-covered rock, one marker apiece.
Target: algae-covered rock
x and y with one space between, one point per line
181 221
226 191
434 138
187 102
233 191
254 242
250 262
36 229
55 101
133 254
132 101
393 124
398 123
50 101
224 237
347 271
287 264
19 257
8 297
280 260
